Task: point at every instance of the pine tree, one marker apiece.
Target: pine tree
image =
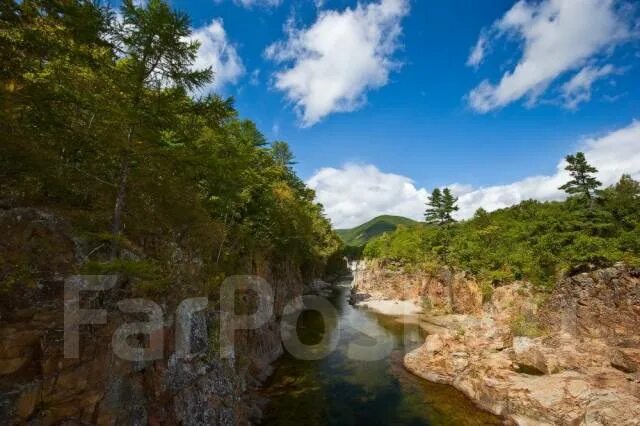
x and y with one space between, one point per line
282 153
583 182
434 207
156 54
440 206
449 205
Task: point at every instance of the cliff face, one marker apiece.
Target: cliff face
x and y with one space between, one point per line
444 292
572 357
604 304
38 384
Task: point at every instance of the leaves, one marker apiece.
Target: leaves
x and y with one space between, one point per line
532 240
75 83
441 204
583 183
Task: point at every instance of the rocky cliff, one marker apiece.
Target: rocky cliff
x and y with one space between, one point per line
569 357
438 293
38 385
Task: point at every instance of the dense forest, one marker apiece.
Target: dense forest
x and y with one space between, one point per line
537 241
102 123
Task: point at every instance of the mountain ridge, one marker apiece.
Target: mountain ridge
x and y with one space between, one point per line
359 235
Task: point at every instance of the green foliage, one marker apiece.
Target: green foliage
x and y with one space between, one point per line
583 183
440 207
432 213
282 153
132 268
533 240
449 205
525 325
486 289
96 112
361 234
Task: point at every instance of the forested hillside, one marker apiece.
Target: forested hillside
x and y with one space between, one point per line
361 234
533 240
102 123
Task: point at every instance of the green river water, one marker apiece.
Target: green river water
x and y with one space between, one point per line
338 390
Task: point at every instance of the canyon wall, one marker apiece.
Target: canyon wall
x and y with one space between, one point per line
438 293
38 384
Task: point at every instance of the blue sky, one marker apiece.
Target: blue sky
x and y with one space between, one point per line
415 108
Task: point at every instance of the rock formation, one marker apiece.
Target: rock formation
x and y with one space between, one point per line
570 357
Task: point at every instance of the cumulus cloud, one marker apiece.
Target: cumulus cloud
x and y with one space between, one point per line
557 36
217 52
613 154
354 193
329 66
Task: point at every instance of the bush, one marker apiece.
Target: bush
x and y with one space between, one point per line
486 289
524 325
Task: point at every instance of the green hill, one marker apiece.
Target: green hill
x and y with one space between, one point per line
361 234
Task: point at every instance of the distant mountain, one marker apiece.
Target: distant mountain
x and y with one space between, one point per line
359 235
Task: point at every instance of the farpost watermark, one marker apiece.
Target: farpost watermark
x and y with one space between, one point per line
126 344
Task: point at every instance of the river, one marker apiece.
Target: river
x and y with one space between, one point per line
340 390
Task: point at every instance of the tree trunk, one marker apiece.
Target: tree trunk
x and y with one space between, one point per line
116 227
224 237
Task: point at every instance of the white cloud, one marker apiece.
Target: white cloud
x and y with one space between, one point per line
460 189
262 3
613 154
477 53
251 3
578 89
254 80
330 65
217 52
557 36
354 194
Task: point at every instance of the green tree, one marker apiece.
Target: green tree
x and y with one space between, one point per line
84 98
449 206
282 153
440 207
623 201
156 53
583 183
434 207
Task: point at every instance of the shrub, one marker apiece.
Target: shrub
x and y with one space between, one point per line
486 289
524 325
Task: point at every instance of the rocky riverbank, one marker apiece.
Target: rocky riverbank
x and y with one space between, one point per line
571 356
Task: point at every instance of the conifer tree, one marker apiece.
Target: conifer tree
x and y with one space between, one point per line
434 207
440 206
583 182
449 205
156 54
282 153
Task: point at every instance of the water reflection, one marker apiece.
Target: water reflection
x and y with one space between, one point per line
346 388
